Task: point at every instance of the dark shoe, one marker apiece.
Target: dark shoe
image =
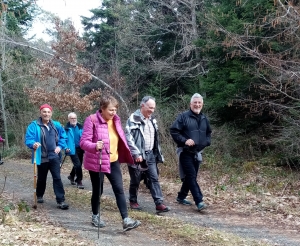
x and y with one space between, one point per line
71 180
129 224
183 201
1 162
97 222
62 205
40 199
201 206
135 205
80 185
162 208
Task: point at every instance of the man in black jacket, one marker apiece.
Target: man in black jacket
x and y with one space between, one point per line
192 133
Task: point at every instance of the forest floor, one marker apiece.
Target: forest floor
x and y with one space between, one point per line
229 220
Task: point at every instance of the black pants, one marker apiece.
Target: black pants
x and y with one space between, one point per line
54 166
77 164
116 181
152 175
190 168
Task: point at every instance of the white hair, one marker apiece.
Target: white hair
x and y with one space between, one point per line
70 114
196 95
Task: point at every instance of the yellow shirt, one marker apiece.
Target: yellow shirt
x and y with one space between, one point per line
113 141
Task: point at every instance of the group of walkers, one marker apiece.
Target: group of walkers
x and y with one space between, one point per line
101 145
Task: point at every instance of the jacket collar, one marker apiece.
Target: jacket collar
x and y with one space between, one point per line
103 121
40 122
138 117
192 114
68 125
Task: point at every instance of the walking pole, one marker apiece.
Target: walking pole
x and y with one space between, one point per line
34 179
61 164
100 162
1 162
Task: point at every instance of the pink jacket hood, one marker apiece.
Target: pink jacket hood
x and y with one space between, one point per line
94 129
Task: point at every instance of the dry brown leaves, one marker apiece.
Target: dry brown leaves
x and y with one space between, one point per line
34 228
61 78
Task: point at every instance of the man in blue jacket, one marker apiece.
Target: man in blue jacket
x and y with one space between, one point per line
47 137
74 132
192 133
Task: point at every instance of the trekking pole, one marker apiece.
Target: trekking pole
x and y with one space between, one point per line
1 162
34 179
100 188
61 164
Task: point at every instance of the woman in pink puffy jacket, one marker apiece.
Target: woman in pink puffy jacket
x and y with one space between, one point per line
103 141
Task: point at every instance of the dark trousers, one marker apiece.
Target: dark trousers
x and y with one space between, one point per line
77 164
152 175
54 166
116 181
190 166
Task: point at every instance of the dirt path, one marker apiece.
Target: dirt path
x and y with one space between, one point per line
19 184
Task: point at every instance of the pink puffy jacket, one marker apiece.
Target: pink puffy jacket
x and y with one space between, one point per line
94 129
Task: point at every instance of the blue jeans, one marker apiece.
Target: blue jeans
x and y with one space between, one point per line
152 175
190 166
54 166
116 181
77 164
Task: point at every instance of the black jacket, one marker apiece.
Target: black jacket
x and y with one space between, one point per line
191 126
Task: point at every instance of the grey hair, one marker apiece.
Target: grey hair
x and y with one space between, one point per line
146 99
69 115
196 95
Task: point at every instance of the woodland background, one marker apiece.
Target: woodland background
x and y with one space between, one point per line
242 56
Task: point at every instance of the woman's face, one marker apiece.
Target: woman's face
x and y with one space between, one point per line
109 112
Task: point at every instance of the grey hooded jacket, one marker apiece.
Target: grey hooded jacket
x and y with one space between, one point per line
134 132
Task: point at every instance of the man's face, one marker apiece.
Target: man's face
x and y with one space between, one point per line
46 114
148 108
196 105
73 119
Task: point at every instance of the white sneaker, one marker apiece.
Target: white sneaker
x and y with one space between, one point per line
97 222
129 224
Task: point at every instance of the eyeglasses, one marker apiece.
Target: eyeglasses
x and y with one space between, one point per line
73 118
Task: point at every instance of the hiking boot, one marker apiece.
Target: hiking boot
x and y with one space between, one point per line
40 199
71 180
62 205
135 206
183 201
162 208
97 222
80 185
201 206
129 224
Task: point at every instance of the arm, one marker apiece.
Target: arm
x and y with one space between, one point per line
135 152
62 140
208 133
30 136
176 131
86 140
